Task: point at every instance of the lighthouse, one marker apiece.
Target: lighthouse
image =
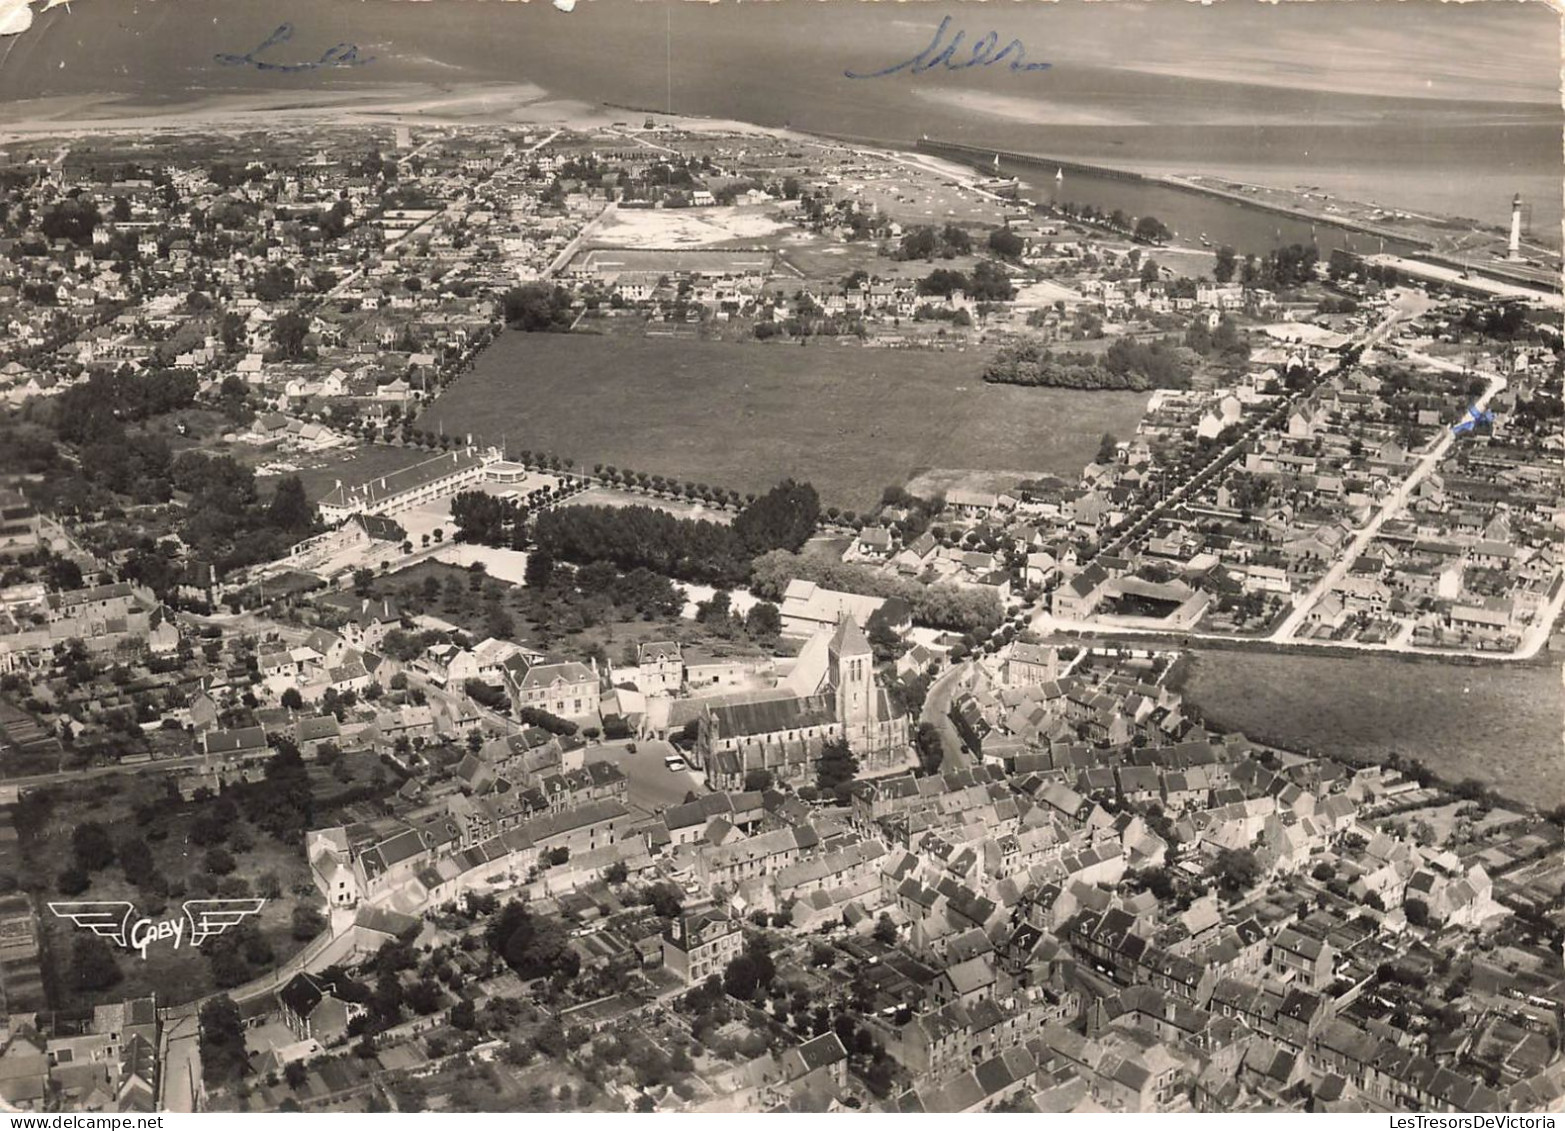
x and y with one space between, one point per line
1514 251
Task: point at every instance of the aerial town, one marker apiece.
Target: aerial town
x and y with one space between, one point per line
708 781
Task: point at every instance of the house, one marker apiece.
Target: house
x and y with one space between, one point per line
661 667
235 745
701 943
311 734
1078 598
821 1061
1030 664
568 689
312 1010
807 608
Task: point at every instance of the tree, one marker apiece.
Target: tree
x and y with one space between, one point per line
136 859
289 330
222 1042
307 922
540 568
836 765
219 861
1226 263
1236 870
664 900
92 846
1149 229
1108 448
885 930
783 518
537 307
72 881
532 945
295 1074
756 781
363 581
93 966
883 639
290 507
292 700
1004 242
931 747
748 972
763 621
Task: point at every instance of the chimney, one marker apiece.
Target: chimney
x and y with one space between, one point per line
1515 248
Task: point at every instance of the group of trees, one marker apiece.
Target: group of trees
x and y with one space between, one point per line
1126 364
489 520
226 522
1225 342
988 282
641 537
535 946
71 219
687 549
935 606
537 308
925 242
222 1042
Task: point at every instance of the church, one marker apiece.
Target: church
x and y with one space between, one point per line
831 693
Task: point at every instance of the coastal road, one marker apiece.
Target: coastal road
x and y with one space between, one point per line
1393 503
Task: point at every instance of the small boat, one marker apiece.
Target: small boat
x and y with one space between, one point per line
1204 241
1059 175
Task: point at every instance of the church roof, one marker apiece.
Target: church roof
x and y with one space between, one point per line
849 639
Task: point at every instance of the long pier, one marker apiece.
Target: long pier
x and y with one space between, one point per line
979 155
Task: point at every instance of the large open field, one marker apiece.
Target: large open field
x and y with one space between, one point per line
850 420
1501 724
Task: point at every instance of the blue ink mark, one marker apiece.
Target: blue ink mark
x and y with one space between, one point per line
1475 416
337 55
981 53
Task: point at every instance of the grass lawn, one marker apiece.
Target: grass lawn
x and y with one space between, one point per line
174 975
850 420
1500 724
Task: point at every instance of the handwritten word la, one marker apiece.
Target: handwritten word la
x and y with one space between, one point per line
981 53
337 55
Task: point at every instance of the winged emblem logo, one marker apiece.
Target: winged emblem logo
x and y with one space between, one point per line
116 920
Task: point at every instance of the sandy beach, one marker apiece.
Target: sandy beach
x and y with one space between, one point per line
455 104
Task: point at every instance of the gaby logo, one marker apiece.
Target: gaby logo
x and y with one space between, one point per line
116 920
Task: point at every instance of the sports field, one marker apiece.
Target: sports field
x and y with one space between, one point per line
848 419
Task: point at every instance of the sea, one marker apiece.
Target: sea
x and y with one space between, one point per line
1422 106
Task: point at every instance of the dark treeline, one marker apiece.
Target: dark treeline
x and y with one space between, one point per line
707 553
630 537
1127 364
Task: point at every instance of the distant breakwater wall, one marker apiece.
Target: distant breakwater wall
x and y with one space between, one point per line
979 156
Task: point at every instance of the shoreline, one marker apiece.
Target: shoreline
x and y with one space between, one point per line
1183 184
513 104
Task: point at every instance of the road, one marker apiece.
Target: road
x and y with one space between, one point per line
1393 502
937 712
343 283
558 263
1174 498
